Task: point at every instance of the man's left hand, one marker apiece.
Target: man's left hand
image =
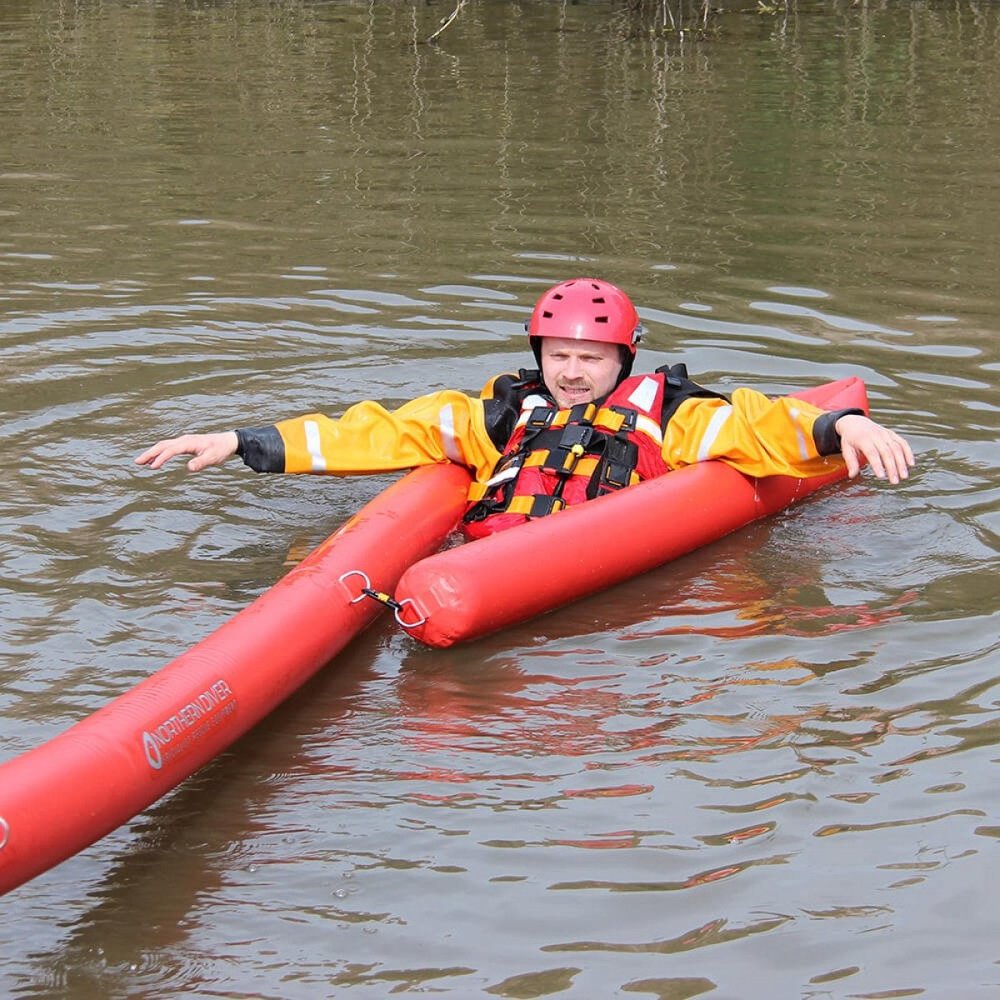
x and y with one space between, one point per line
862 440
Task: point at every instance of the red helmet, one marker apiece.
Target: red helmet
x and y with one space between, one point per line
587 309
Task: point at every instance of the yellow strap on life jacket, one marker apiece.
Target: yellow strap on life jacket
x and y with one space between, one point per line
477 491
605 417
524 505
584 467
610 419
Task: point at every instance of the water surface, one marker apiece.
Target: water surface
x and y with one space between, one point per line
767 770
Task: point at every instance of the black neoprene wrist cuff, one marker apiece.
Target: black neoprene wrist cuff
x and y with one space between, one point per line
825 434
261 448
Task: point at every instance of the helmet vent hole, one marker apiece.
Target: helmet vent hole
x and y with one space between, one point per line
558 296
547 314
600 319
598 300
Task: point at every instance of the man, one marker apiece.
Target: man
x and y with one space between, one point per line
580 426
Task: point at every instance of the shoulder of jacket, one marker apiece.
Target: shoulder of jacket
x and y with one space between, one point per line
676 380
509 386
502 398
678 388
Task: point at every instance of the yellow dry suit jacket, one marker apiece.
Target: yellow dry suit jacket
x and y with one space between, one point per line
753 433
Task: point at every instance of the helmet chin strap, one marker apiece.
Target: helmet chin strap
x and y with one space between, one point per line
628 358
536 349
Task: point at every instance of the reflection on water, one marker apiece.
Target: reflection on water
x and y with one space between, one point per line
761 771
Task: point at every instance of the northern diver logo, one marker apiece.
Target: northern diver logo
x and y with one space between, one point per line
179 731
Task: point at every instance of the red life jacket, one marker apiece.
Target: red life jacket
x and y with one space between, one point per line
553 458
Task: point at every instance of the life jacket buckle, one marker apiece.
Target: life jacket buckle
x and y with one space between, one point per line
542 505
573 445
629 419
621 458
540 418
616 475
582 413
480 511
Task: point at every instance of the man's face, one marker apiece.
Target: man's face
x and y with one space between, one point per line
579 371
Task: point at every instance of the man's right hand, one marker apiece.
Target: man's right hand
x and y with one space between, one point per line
207 449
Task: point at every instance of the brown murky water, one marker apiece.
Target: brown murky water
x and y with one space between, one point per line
768 770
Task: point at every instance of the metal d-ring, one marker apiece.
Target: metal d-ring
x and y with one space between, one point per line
398 613
366 587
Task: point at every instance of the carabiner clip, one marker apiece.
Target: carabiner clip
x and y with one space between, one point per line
383 598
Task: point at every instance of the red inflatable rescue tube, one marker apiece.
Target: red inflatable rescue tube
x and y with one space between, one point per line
488 584
60 797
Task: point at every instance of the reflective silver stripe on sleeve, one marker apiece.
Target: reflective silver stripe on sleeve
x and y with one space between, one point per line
712 432
799 436
446 421
313 447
